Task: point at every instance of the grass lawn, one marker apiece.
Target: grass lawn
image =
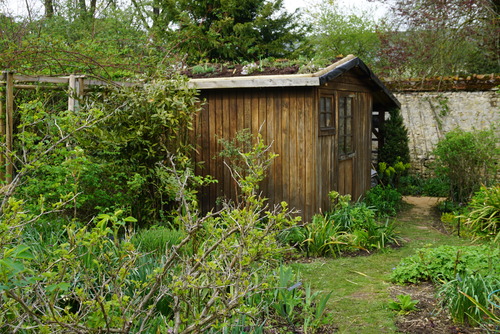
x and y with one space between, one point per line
360 284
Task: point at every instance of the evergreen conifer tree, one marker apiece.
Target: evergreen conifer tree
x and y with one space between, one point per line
395 134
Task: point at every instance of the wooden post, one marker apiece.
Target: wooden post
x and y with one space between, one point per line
9 125
76 89
2 134
72 92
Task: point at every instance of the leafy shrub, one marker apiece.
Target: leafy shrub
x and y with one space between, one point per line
385 200
95 280
390 175
448 206
420 186
445 263
463 310
483 213
108 151
467 159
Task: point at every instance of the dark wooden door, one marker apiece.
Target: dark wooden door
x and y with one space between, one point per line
345 142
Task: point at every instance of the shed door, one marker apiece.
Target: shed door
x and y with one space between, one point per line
326 147
345 139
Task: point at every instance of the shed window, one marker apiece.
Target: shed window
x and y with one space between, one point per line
345 125
326 115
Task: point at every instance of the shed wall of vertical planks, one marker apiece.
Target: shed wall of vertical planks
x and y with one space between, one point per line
308 165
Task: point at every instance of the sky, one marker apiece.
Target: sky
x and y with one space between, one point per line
377 9
19 6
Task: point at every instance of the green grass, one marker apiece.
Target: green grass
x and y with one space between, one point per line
359 302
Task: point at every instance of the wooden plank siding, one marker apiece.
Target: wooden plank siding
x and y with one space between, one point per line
308 166
283 116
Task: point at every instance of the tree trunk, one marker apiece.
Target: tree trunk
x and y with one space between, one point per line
92 8
82 8
49 8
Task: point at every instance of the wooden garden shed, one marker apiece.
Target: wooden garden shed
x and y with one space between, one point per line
319 124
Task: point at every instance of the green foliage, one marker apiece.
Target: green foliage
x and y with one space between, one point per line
348 227
455 295
430 38
482 215
386 201
339 33
395 148
390 175
112 46
467 159
229 30
444 263
424 186
320 237
297 305
404 304
94 279
157 239
115 165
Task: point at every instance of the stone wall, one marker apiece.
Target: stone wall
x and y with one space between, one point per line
429 115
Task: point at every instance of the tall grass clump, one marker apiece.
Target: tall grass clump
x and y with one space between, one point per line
482 215
347 227
157 239
467 297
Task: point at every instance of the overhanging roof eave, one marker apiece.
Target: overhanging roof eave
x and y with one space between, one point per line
255 82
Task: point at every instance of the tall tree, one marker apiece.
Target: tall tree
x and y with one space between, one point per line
338 32
441 37
226 29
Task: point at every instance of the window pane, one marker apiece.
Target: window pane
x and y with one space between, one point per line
348 107
328 121
328 105
348 146
341 107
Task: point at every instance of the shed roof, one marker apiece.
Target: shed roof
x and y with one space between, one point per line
383 98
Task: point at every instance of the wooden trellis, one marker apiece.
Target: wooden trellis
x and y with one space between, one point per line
74 85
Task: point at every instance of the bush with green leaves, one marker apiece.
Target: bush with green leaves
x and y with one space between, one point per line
109 151
93 279
386 201
444 263
390 174
467 160
418 185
